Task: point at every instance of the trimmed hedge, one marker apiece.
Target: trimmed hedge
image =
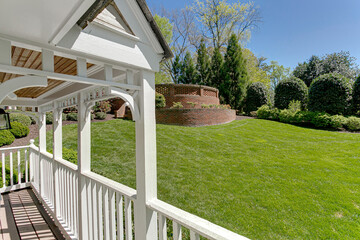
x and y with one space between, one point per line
356 97
290 89
256 96
19 130
330 93
160 101
6 138
50 117
21 118
307 118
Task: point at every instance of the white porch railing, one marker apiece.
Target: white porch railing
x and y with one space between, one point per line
110 205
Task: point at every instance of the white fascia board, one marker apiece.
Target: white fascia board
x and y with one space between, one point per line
138 23
71 20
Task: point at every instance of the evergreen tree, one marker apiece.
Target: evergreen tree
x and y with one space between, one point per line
203 65
176 69
188 71
215 68
236 79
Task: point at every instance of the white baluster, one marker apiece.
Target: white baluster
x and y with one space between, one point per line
3 169
120 216
128 220
176 231
11 169
162 227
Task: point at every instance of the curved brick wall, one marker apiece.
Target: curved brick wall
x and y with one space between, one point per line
195 117
188 93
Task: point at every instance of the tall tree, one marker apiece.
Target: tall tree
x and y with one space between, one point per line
215 68
188 70
166 28
340 62
176 69
236 79
219 19
255 72
276 73
203 65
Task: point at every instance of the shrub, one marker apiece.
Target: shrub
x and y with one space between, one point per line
7 179
338 121
205 106
304 117
21 118
288 90
72 116
100 115
102 106
160 101
256 96
321 120
19 130
353 124
265 112
330 93
177 105
50 117
287 116
6 137
356 96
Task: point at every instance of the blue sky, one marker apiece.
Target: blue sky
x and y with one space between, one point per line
292 31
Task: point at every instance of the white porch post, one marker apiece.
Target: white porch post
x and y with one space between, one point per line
57 151
84 155
146 176
42 145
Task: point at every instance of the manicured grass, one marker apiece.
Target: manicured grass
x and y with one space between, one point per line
261 179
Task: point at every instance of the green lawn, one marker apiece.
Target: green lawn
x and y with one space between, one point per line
261 179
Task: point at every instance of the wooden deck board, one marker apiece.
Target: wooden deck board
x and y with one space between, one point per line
22 217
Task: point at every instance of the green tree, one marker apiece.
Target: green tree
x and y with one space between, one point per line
340 62
219 19
276 73
166 28
176 69
236 79
255 72
188 70
216 65
203 65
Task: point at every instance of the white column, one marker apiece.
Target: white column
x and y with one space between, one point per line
57 151
146 178
42 145
84 155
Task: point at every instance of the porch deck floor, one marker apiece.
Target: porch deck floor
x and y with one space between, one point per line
23 217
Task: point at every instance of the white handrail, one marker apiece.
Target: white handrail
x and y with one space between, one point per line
13 148
192 222
118 187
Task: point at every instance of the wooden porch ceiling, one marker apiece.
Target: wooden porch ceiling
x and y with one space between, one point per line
26 58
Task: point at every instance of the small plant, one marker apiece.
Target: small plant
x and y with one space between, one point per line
6 137
160 101
7 178
100 115
192 104
177 105
19 130
294 106
205 106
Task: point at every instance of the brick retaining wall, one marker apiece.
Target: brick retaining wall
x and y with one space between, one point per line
185 93
195 117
